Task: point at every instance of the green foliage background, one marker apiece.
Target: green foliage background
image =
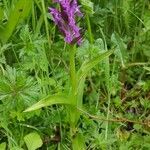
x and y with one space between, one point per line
34 65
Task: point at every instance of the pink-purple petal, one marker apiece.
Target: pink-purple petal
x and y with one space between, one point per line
65 19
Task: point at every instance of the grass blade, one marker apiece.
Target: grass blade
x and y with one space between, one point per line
18 13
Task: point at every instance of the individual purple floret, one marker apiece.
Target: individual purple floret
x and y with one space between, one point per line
65 19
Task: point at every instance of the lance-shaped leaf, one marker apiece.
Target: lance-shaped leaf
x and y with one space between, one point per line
87 66
49 100
83 71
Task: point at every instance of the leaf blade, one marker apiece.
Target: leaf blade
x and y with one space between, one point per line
85 68
50 100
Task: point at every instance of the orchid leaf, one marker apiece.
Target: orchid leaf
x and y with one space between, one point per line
87 66
82 73
49 100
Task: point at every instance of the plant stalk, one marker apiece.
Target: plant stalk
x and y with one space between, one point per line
72 111
73 71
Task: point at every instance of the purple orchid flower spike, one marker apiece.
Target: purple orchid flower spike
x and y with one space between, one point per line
65 19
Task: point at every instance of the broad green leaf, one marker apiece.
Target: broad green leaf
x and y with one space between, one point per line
18 13
86 67
33 141
78 142
50 100
88 6
3 146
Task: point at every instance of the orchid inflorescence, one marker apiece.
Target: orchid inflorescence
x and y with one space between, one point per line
65 19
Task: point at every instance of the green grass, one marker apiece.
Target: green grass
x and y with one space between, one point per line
55 96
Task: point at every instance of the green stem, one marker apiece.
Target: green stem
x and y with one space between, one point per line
73 71
73 96
46 23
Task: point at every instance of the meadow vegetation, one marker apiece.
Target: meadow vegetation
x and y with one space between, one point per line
60 96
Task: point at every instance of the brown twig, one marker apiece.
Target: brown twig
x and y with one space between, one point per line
147 122
137 64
